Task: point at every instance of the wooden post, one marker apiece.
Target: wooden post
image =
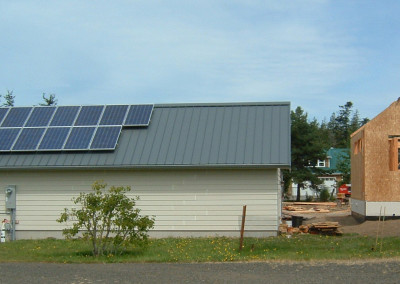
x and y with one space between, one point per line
242 228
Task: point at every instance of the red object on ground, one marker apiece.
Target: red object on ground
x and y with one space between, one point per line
346 189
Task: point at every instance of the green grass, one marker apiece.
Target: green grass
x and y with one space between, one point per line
301 247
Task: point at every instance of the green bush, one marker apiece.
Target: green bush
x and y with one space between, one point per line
324 195
108 219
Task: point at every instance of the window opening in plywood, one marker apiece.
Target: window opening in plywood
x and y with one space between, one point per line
394 154
358 146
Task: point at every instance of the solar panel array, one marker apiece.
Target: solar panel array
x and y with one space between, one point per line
68 128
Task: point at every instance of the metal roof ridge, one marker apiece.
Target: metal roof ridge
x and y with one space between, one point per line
167 105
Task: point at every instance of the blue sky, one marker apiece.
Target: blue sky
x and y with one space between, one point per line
317 54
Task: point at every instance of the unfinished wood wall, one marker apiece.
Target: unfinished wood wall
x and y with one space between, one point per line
381 184
357 165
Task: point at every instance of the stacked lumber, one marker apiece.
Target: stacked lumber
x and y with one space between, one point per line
321 228
285 229
325 228
293 208
303 210
331 204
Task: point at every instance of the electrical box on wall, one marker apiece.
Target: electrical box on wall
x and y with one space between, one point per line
11 197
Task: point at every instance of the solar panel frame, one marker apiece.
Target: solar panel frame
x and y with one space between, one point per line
112 133
86 118
65 116
40 116
3 113
28 139
16 117
138 115
77 136
61 134
9 136
114 115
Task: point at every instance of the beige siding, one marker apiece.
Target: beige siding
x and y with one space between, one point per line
180 200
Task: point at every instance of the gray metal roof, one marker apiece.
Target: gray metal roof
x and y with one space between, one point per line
186 135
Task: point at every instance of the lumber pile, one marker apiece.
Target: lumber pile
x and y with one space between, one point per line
303 210
325 228
322 228
330 204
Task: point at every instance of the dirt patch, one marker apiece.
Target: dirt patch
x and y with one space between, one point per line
350 225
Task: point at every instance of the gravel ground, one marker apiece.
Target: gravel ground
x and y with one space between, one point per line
349 225
257 272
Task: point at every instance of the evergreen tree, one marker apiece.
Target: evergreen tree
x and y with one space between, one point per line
307 149
49 101
9 99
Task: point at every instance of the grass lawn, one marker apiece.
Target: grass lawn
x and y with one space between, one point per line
301 247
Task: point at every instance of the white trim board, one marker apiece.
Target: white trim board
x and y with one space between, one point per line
375 209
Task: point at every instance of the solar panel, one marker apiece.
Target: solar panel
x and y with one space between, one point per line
68 128
54 138
16 117
89 115
79 138
40 116
8 136
138 115
28 139
114 115
65 116
106 138
3 112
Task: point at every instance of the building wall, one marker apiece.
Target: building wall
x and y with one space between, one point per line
358 151
184 202
381 184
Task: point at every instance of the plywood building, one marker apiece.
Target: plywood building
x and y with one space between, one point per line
375 170
194 167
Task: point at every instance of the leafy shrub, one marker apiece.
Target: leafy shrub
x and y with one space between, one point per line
324 195
309 198
109 219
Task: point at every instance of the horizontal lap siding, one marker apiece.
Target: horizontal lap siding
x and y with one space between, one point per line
182 200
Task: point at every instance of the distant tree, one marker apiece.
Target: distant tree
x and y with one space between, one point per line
342 124
9 99
325 134
49 101
307 149
343 165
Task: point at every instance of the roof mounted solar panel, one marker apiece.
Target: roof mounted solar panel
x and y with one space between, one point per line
40 116
89 115
65 116
114 115
139 115
3 113
16 117
68 128
79 138
106 138
28 139
8 136
54 138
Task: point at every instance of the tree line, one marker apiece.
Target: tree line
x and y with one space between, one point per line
310 141
8 99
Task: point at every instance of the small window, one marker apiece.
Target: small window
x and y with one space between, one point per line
358 147
320 164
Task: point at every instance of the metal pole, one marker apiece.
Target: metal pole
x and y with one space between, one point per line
13 216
